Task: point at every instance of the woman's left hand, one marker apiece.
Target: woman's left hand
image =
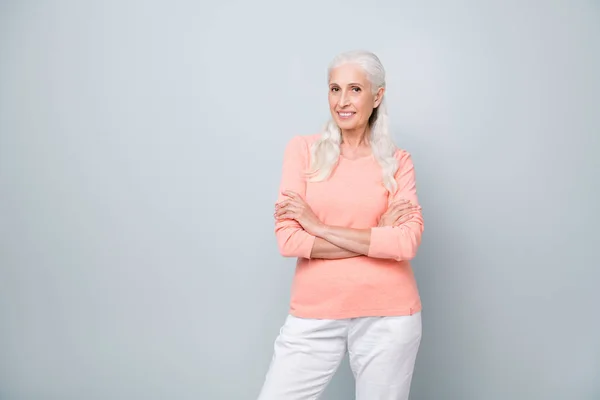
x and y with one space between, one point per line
294 207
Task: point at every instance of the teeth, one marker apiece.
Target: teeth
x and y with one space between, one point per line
345 114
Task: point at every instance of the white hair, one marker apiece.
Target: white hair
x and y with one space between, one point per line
326 150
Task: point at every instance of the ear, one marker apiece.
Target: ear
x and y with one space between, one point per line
378 97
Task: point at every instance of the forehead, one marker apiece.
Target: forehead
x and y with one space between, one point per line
348 73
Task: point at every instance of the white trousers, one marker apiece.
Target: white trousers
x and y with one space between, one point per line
307 353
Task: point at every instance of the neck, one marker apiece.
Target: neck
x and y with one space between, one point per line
356 137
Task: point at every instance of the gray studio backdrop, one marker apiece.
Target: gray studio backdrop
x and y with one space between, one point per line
140 153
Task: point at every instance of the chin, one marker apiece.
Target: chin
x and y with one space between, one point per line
346 125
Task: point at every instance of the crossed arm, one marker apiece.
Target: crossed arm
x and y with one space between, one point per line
324 249
300 233
334 242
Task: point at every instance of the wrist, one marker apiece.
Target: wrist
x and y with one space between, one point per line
321 230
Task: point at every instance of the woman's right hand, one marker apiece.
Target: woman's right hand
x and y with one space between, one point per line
398 213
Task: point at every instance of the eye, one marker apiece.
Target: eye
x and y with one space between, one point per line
356 89
334 89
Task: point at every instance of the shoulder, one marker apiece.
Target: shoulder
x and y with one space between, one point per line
404 159
301 144
402 155
303 140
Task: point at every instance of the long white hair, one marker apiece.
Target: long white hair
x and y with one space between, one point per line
325 151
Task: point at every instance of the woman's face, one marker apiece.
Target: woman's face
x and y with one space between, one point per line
351 99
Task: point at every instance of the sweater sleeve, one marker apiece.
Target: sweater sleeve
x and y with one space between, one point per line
400 242
292 239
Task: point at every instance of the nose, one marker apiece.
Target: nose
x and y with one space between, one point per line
343 99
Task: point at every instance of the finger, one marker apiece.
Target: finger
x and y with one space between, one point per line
392 210
411 210
287 203
284 206
392 207
287 200
399 206
288 208
297 201
286 215
289 193
279 213
399 202
412 204
291 200
401 210
409 214
405 215
402 220
403 207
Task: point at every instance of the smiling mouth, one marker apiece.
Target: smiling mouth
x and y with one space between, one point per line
345 114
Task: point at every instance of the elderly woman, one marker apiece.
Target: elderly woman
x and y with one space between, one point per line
348 210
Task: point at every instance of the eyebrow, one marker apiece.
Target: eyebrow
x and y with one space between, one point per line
350 84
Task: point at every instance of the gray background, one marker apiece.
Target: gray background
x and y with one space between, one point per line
140 153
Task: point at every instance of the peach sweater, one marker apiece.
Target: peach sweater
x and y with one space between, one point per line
380 284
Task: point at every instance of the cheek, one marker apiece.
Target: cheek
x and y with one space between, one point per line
332 102
365 108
